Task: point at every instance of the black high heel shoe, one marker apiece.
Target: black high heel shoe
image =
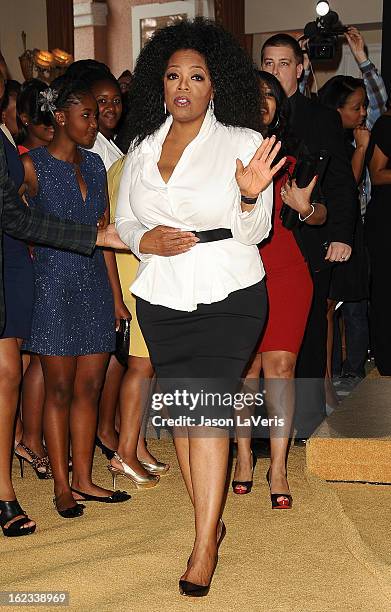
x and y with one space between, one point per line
190 589
283 504
242 487
108 452
72 512
8 511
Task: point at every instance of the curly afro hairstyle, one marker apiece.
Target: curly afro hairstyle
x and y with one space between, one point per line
236 94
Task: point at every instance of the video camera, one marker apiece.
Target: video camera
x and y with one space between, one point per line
322 36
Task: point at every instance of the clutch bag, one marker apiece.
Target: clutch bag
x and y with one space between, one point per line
122 342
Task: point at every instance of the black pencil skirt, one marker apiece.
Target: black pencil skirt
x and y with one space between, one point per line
207 350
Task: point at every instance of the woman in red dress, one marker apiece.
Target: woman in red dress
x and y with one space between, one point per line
289 287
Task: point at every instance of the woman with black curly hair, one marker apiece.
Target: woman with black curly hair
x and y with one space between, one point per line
288 278
194 201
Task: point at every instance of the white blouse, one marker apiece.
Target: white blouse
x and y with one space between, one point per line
201 194
107 150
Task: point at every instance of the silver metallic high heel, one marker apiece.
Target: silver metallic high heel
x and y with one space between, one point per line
157 468
141 482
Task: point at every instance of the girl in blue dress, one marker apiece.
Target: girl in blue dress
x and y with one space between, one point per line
77 298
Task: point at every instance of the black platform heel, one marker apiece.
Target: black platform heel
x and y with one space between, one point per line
283 504
8 511
242 487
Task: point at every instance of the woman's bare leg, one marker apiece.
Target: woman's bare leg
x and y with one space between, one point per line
208 468
134 396
182 447
108 403
90 372
10 376
244 465
59 376
33 397
143 452
279 373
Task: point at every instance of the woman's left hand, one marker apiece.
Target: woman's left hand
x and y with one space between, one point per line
296 198
121 312
259 173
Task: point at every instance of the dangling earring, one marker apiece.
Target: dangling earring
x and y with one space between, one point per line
211 105
165 108
275 123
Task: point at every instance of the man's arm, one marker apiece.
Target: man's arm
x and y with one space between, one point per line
376 92
374 84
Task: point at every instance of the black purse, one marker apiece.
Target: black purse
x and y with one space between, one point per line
122 342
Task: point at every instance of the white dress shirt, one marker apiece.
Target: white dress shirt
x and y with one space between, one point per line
107 150
201 194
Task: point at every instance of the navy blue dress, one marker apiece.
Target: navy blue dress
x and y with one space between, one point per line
18 269
73 310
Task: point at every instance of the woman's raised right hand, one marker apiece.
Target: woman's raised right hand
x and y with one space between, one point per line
167 241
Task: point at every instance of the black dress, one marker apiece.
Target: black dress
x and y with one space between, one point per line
18 270
349 281
378 234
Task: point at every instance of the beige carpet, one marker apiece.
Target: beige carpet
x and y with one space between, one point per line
354 442
320 556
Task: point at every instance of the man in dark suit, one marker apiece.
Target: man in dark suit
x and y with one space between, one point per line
320 129
21 222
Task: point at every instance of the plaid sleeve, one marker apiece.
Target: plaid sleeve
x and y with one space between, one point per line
21 222
376 92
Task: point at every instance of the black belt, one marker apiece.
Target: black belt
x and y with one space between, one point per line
220 233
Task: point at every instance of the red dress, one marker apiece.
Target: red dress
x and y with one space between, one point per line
288 282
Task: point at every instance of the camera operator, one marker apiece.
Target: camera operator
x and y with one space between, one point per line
320 129
374 84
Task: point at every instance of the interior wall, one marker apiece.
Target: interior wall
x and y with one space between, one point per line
119 33
282 15
18 15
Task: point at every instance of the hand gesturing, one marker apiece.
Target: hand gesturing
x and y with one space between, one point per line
259 173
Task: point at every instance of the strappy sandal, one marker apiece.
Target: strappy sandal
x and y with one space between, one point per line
40 465
8 511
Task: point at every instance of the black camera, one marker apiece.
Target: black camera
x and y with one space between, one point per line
323 35
306 168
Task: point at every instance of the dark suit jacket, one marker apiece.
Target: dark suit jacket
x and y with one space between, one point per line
321 129
21 222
